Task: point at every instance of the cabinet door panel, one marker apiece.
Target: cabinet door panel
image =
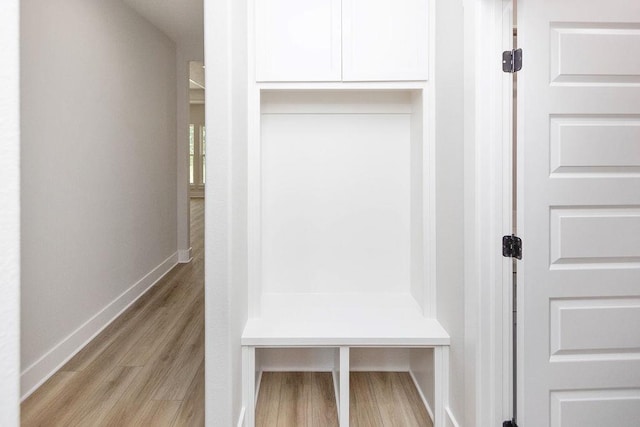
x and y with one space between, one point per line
298 40
385 40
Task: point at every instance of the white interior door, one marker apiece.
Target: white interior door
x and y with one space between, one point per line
579 169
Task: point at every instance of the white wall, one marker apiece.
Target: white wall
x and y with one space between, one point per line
9 213
487 213
225 216
98 170
449 194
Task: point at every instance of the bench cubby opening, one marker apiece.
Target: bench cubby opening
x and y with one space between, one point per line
386 373
419 373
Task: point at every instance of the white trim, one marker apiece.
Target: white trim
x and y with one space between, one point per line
342 85
487 218
345 386
504 266
422 396
429 166
10 37
241 417
254 255
185 255
441 384
221 380
451 418
40 371
182 151
249 390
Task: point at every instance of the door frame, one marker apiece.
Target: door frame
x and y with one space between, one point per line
182 157
10 212
488 216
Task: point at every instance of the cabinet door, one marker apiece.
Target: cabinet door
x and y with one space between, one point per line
298 40
385 40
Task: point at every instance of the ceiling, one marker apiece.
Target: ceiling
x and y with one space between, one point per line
181 20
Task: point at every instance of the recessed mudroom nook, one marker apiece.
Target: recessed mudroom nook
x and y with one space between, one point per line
341 193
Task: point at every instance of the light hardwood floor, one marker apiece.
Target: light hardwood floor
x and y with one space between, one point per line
385 399
378 399
146 368
296 399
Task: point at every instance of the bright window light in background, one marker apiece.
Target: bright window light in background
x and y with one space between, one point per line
197 147
204 163
191 152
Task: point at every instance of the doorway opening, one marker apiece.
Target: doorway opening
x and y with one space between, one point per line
197 130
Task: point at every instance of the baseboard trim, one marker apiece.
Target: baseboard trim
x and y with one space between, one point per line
241 417
422 396
451 418
47 365
185 255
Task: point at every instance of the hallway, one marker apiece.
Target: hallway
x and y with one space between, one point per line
146 368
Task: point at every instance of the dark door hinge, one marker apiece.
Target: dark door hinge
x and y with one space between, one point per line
511 423
512 60
512 246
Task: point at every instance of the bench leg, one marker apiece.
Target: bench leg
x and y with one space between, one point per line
441 398
344 387
249 385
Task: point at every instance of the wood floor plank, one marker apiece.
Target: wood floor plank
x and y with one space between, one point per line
186 364
172 306
363 410
388 399
154 372
35 409
96 416
324 412
388 403
191 413
294 400
154 349
99 398
88 382
139 354
411 397
268 399
156 413
130 320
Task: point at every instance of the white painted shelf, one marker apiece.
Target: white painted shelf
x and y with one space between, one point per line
366 332
292 320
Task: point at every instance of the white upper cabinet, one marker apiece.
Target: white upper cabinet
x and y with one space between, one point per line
298 40
334 40
385 40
